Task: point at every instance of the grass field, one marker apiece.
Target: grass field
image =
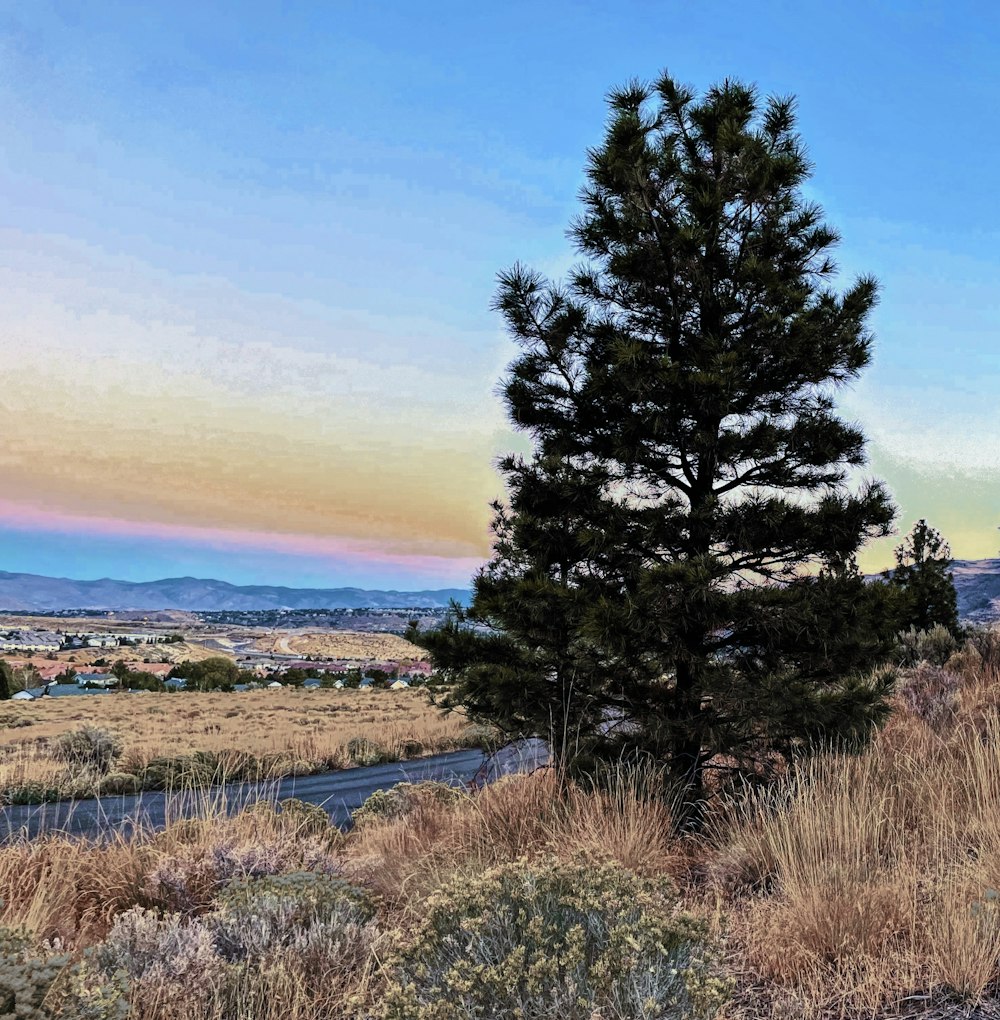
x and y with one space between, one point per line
286 730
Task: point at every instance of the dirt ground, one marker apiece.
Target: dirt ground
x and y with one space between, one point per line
340 645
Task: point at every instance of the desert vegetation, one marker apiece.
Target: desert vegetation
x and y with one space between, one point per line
56 748
861 884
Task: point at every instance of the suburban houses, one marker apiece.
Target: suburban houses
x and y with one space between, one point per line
56 641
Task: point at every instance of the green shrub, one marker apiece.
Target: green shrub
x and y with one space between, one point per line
191 770
306 819
32 792
935 646
39 984
363 751
88 747
120 783
398 801
554 942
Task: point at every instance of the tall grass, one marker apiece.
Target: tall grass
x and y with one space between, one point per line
255 734
863 881
519 817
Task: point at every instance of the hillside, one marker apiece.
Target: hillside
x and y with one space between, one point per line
34 592
978 585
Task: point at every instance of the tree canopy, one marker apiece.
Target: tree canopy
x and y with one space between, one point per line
923 575
673 568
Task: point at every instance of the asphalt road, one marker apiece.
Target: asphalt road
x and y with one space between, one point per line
339 793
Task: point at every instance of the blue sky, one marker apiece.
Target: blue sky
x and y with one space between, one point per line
247 253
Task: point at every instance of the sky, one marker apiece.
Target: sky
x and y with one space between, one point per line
247 254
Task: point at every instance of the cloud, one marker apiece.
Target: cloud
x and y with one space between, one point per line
134 396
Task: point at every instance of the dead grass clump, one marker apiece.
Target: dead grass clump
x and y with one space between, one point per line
865 879
519 817
62 889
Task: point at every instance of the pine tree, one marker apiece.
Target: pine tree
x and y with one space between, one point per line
923 573
673 570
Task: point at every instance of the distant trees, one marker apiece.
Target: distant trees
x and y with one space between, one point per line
382 677
923 578
208 674
67 676
352 677
673 572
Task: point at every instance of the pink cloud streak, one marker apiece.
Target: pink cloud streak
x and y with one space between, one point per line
349 551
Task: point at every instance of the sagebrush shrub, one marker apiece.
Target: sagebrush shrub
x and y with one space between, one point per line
306 931
183 771
304 818
32 792
399 800
935 646
88 747
119 783
932 693
41 984
189 879
554 941
144 944
258 916
363 751
986 641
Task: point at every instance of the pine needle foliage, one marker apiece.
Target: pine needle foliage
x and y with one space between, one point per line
923 575
673 570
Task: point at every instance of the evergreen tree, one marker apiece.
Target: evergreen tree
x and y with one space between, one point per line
673 570
923 573
7 684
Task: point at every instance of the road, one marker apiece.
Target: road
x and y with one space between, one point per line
339 793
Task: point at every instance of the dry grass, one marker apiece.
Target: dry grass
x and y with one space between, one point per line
864 882
305 726
859 886
522 816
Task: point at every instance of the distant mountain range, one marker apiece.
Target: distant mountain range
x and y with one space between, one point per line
33 592
976 581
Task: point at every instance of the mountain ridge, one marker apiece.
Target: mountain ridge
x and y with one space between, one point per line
977 583
24 592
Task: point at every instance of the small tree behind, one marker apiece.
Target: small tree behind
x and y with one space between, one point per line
923 576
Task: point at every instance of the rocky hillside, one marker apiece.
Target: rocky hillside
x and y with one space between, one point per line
978 585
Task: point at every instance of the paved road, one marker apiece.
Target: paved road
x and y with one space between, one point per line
338 792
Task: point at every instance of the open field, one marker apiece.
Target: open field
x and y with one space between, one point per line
340 645
283 730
